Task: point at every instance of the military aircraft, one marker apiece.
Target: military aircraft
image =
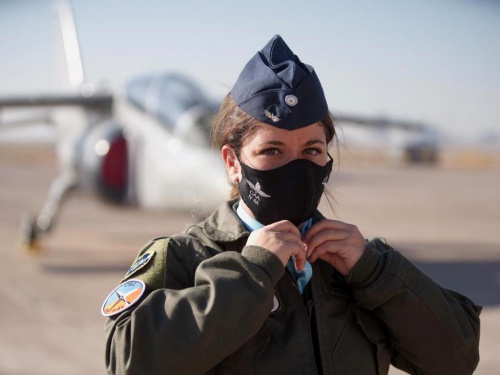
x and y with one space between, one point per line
148 145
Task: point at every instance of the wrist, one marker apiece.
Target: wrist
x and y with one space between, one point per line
270 262
368 267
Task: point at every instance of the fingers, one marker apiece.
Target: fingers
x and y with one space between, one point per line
338 243
284 226
329 247
327 230
300 259
292 245
324 225
282 239
292 239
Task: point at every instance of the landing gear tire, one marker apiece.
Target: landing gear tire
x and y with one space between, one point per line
30 235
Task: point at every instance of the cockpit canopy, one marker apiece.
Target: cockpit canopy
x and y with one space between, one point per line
177 102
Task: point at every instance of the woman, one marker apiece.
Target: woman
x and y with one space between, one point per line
266 284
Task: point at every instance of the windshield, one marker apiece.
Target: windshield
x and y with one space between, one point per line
177 102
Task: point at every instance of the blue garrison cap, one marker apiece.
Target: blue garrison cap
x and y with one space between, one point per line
276 88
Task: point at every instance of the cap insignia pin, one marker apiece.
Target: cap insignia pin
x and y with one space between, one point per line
291 100
271 116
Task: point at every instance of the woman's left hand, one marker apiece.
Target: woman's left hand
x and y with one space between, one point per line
337 243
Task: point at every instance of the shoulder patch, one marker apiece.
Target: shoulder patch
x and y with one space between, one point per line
122 297
140 262
150 269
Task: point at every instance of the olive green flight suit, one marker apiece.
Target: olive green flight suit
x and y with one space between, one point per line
213 305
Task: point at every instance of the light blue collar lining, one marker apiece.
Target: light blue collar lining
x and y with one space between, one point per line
250 223
301 277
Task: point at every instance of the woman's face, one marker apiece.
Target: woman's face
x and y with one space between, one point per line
272 147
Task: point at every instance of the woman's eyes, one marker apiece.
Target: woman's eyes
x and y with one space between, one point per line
313 151
271 151
308 151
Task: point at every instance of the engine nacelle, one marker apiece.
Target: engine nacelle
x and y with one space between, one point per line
104 163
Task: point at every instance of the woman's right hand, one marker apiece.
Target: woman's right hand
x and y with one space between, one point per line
283 239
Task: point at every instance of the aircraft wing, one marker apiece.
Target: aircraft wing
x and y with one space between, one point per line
97 102
379 122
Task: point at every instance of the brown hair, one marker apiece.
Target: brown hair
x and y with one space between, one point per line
232 126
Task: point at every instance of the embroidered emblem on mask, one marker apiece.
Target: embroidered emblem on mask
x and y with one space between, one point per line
271 116
256 193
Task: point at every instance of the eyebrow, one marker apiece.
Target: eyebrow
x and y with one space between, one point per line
308 143
314 141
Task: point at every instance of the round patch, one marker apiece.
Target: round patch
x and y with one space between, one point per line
122 297
140 262
276 305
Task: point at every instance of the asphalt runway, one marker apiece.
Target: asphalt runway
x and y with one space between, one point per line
447 220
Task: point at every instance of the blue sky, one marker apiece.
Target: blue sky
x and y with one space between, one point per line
428 60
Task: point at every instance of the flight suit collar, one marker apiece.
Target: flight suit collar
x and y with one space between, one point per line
224 225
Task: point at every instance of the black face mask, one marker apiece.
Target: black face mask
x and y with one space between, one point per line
291 192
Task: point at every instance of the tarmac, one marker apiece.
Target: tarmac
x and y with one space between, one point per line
447 220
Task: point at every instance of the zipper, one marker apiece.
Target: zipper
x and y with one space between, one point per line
310 306
313 326
308 309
